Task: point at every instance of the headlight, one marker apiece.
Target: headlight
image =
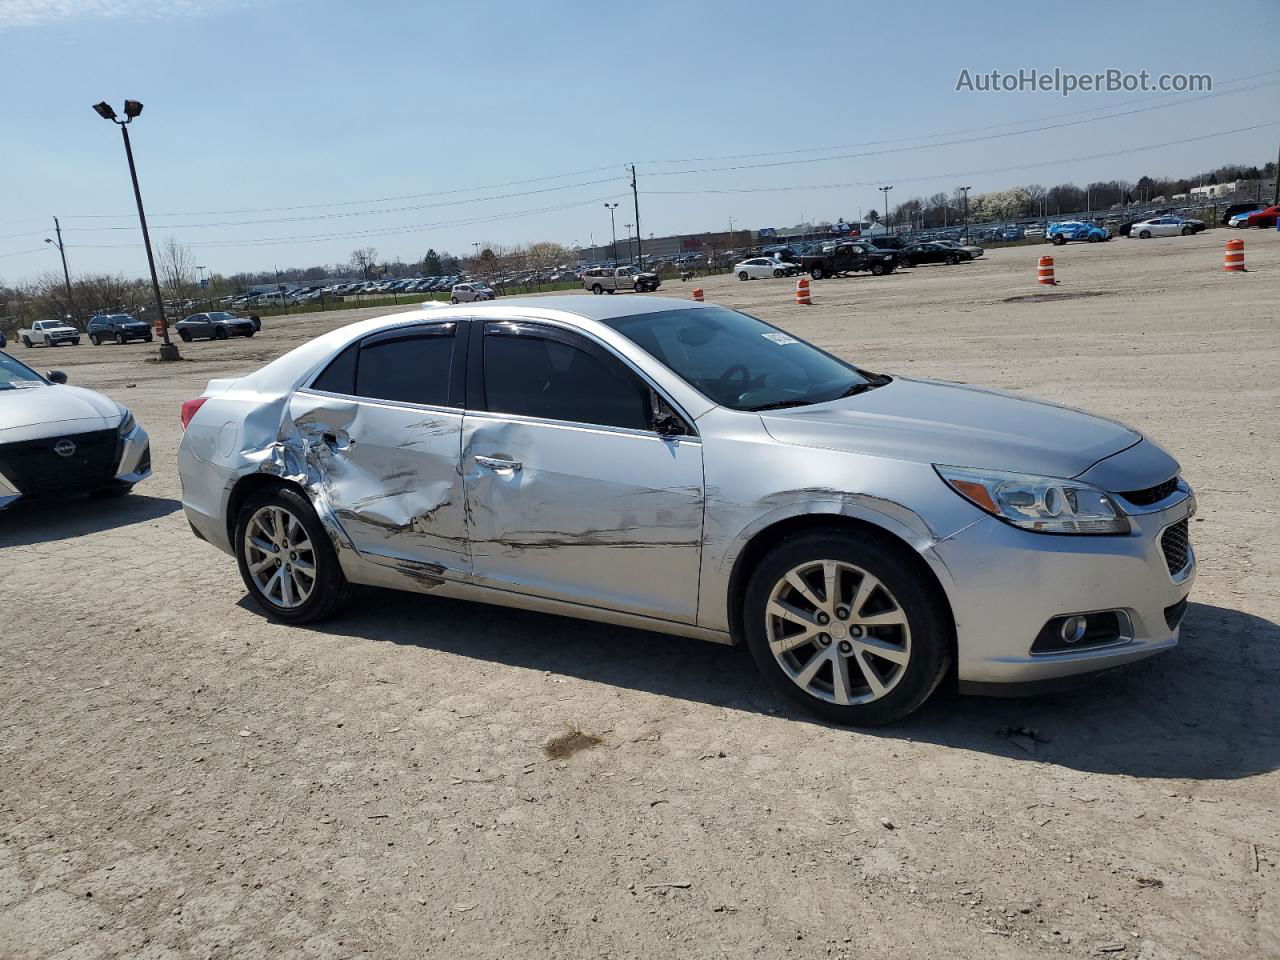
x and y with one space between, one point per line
127 424
1039 504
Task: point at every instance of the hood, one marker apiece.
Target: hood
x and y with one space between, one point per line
932 422
30 412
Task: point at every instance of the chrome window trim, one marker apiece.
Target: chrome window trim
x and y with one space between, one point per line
375 402
409 321
574 425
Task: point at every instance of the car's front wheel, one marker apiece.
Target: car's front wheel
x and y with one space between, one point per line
120 339
742 275
286 558
816 273
1059 241
95 339
847 627
1144 235
777 273
185 335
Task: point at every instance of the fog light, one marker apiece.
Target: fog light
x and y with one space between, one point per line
1073 629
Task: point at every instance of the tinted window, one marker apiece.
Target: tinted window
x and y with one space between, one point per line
410 369
737 360
535 377
340 375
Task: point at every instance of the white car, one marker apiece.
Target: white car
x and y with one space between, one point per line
760 268
1165 227
58 441
471 292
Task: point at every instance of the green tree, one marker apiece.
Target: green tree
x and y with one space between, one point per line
431 265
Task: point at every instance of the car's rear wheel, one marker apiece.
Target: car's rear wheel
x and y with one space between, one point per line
742 275
847 627
1059 241
595 288
286 559
816 273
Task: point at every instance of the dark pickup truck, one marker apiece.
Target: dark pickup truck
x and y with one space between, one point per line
842 257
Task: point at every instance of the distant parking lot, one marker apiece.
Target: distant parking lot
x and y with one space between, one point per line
420 777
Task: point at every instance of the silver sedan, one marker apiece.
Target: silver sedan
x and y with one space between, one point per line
686 468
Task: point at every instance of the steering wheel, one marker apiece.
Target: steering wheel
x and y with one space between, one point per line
722 384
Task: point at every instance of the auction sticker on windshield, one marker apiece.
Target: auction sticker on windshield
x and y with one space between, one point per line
779 338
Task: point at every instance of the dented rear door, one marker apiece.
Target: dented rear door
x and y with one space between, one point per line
384 424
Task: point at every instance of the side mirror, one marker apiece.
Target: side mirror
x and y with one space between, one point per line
665 420
56 376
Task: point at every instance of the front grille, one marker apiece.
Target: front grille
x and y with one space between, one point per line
1173 615
38 470
1176 544
1144 498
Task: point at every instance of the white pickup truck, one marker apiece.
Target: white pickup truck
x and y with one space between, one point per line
613 279
50 333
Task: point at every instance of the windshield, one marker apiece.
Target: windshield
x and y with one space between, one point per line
222 315
739 361
14 374
122 318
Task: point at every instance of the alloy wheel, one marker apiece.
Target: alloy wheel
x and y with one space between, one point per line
838 632
280 557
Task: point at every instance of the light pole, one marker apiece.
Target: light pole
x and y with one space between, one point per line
888 222
66 274
613 230
965 193
132 108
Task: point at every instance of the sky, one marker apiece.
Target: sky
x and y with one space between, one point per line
287 133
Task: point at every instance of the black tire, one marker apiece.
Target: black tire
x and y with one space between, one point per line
877 270
121 340
185 335
148 338
777 273
953 259
816 273
1144 235
613 290
1059 240
1186 231
922 601
26 341
453 300
742 275
219 333
95 339
331 590
595 288
75 342
250 333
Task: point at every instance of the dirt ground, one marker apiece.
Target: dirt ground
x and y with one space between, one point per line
421 777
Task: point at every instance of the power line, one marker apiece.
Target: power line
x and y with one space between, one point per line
994 126
969 173
347 203
923 146
360 213
19 253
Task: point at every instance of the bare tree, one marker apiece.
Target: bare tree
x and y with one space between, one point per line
176 264
363 259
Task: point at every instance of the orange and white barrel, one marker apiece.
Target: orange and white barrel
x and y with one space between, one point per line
1044 272
1233 259
697 294
802 292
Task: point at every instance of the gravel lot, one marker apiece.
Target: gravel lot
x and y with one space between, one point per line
181 778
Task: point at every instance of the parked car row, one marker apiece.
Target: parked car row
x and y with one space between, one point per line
1258 215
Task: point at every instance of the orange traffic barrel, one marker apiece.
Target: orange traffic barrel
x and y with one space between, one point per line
1044 272
697 294
1233 259
802 292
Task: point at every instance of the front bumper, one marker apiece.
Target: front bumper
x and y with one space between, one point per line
1008 583
130 463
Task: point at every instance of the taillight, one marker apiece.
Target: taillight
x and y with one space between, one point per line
189 408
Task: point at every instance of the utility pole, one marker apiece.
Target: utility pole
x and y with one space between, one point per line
1275 196
613 231
965 192
628 226
635 197
66 274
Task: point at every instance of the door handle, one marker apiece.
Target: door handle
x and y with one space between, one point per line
499 465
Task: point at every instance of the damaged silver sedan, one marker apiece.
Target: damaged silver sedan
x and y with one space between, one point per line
686 468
